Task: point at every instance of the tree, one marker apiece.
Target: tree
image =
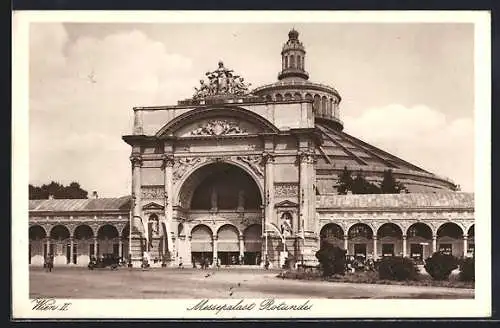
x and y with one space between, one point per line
440 265
389 184
361 186
58 191
331 259
344 182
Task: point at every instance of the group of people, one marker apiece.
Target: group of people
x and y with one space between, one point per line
49 262
359 264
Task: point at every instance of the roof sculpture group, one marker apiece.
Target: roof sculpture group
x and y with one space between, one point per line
221 82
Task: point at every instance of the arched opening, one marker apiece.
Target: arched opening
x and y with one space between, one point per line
201 245
222 187
390 238
83 244
252 241
286 62
37 247
268 98
419 238
317 105
308 96
292 61
324 109
228 245
470 241
332 234
330 108
288 96
59 244
125 241
297 96
449 239
279 97
360 240
107 241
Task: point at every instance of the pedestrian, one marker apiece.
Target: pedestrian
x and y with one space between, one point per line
180 263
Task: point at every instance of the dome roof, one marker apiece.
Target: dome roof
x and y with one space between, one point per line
338 149
293 34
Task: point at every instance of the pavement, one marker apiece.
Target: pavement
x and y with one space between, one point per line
174 283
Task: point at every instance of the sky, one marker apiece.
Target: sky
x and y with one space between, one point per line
407 88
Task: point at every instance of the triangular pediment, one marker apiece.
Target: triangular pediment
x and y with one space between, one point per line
153 206
286 203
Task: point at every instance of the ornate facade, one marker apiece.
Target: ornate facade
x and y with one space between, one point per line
239 176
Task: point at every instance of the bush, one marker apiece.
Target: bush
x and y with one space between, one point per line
397 268
467 269
439 265
331 259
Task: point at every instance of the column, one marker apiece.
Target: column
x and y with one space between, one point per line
48 245
346 245
242 246
136 161
95 247
120 246
168 163
214 243
375 255
465 245
269 190
434 244
307 195
71 250
404 245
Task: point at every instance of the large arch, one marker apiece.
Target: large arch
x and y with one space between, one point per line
450 239
419 241
360 237
206 173
252 242
205 112
333 234
228 244
37 246
470 240
390 239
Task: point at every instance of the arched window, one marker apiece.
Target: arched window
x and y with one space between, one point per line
292 61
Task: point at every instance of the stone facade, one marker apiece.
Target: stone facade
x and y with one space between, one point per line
240 176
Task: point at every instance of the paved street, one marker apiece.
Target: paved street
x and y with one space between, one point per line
225 283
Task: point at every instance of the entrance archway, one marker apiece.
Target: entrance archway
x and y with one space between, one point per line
252 241
201 245
228 245
59 245
108 243
84 244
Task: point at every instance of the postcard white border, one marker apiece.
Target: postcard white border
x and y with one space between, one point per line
480 306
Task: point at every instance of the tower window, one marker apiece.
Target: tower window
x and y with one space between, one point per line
292 61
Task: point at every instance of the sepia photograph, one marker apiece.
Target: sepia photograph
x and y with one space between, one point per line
176 165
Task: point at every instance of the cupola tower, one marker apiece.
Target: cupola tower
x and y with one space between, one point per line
293 58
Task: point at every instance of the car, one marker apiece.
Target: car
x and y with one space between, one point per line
106 260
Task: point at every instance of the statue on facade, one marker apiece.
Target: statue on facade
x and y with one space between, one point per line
222 81
241 199
286 224
213 199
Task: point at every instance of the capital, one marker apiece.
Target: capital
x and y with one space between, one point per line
136 160
306 157
168 160
267 157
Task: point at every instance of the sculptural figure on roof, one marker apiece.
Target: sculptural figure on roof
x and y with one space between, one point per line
221 81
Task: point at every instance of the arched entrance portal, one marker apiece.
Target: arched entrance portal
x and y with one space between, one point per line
224 203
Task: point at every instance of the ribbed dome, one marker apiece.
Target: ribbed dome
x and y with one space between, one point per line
339 149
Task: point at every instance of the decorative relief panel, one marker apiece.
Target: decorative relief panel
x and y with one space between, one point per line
254 162
181 165
152 192
218 127
286 190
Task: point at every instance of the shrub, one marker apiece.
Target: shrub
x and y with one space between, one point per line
331 259
439 265
467 267
397 268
